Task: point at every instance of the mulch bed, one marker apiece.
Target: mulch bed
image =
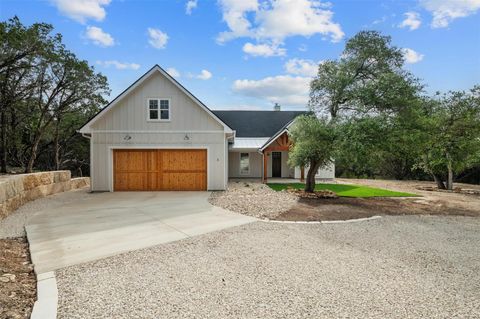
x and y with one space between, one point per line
344 208
17 280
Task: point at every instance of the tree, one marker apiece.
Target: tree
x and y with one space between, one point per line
20 46
46 93
314 145
452 135
367 78
64 84
359 150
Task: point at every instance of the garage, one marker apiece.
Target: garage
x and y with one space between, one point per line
160 169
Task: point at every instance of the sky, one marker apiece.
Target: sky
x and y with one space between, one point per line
250 54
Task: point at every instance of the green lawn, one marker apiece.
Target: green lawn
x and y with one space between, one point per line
345 190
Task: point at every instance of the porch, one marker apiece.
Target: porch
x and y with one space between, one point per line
262 158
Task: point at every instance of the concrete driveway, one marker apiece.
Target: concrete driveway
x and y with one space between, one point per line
105 224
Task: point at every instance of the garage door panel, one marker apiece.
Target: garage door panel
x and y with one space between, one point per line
131 181
184 160
184 181
160 169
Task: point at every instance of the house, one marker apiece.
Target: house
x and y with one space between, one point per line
156 135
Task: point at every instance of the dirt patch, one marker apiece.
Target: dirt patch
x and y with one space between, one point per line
17 280
343 208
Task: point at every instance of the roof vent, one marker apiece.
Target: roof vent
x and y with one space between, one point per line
276 107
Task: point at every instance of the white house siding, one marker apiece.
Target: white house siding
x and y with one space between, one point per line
129 117
323 173
256 165
256 162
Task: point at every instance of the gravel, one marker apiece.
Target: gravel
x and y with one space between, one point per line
14 224
253 199
393 267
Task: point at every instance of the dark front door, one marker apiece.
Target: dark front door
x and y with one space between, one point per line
276 164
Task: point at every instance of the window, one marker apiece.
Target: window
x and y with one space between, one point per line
244 163
158 109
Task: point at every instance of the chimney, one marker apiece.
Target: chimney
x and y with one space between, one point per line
276 107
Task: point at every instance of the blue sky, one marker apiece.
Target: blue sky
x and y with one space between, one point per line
250 54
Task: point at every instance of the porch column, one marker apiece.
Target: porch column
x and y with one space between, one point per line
302 174
265 159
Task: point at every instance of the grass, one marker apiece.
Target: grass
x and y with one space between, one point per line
345 190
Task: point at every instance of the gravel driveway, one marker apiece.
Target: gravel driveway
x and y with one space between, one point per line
394 267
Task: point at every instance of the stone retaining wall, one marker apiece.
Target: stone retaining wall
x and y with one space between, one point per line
16 190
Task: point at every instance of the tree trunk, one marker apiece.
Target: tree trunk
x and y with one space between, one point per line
310 182
3 146
57 145
439 181
33 155
450 176
3 125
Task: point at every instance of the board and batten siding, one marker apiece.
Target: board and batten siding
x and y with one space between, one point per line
126 126
256 166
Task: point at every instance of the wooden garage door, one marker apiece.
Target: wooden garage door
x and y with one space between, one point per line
151 170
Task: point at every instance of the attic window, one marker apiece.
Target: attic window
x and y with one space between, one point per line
158 109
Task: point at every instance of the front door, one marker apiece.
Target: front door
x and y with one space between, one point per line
276 164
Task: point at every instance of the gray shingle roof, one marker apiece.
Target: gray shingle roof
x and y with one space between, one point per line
257 123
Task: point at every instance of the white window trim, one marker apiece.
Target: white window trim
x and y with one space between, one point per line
159 119
240 164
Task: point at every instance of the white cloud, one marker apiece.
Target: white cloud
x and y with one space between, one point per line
235 15
191 4
277 20
157 38
412 56
283 89
445 11
99 37
204 75
302 67
264 50
82 10
173 72
119 65
412 21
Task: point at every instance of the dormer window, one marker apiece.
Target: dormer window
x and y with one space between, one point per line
158 109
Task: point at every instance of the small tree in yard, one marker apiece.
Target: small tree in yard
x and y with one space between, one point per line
452 130
314 143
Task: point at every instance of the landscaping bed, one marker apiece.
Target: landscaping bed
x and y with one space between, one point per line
292 204
344 190
344 208
253 199
17 280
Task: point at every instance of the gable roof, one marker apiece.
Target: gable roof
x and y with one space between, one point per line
257 123
156 68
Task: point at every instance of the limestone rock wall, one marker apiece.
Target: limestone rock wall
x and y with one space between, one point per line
16 190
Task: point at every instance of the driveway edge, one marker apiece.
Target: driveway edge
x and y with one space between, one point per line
45 307
323 221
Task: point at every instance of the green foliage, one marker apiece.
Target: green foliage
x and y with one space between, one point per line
46 94
313 141
451 123
367 78
343 190
314 145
